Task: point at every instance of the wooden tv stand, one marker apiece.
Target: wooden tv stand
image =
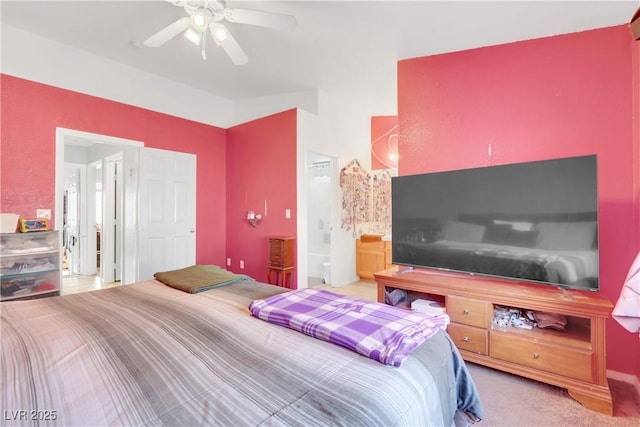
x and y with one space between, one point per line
574 359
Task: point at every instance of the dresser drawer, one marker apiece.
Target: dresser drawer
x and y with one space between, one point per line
281 252
373 246
469 311
568 362
469 338
30 284
276 253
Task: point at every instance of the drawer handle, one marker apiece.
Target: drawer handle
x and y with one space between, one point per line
465 339
536 355
466 311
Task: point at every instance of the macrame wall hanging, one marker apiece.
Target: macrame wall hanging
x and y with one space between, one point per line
355 184
381 198
365 197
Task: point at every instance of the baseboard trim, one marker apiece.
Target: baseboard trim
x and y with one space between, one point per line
627 378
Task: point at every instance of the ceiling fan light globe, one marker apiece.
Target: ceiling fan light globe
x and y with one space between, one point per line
219 34
194 36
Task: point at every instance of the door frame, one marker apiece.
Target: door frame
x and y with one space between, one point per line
63 136
303 206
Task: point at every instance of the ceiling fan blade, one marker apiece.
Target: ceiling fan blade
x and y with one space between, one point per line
229 44
263 19
167 33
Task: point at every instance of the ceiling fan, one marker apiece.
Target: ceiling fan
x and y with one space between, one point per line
206 16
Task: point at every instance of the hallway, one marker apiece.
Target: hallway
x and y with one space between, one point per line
75 284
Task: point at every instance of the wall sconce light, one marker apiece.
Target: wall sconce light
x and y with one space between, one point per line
253 218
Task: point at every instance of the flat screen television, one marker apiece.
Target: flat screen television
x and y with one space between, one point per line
534 222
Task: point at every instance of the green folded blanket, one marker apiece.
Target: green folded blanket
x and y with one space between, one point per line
199 278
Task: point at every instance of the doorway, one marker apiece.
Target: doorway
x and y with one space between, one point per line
90 183
321 195
70 219
148 204
92 214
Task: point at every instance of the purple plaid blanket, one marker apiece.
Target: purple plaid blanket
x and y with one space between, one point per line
379 331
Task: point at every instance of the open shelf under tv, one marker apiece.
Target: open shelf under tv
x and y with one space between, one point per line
574 359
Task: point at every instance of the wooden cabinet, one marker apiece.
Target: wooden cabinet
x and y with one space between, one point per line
574 359
566 360
281 257
470 338
372 257
469 322
469 311
281 252
29 265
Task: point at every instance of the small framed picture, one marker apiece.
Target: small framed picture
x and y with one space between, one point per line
28 225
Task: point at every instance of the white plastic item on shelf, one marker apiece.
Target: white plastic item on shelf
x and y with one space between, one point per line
427 306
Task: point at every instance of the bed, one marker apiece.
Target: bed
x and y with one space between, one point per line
150 354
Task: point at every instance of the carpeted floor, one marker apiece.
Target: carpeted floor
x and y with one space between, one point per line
513 401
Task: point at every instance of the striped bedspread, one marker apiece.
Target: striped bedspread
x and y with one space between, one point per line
379 331
148 354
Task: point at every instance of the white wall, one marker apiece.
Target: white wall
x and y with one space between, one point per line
341 129
75 154
86 155
251 109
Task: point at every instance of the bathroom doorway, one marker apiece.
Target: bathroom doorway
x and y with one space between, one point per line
321 172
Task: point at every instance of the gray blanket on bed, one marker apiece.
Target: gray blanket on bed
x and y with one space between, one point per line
147 354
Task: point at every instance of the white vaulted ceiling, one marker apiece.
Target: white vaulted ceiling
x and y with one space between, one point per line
336 46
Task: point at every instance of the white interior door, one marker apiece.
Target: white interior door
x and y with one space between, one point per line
167 211
112 220
73 233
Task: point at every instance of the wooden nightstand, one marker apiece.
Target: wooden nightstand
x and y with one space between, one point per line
281 261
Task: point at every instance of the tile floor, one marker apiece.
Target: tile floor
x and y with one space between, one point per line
360 289
76 283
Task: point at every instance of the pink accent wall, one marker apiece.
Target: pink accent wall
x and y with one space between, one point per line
261 167
32 111
553 97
